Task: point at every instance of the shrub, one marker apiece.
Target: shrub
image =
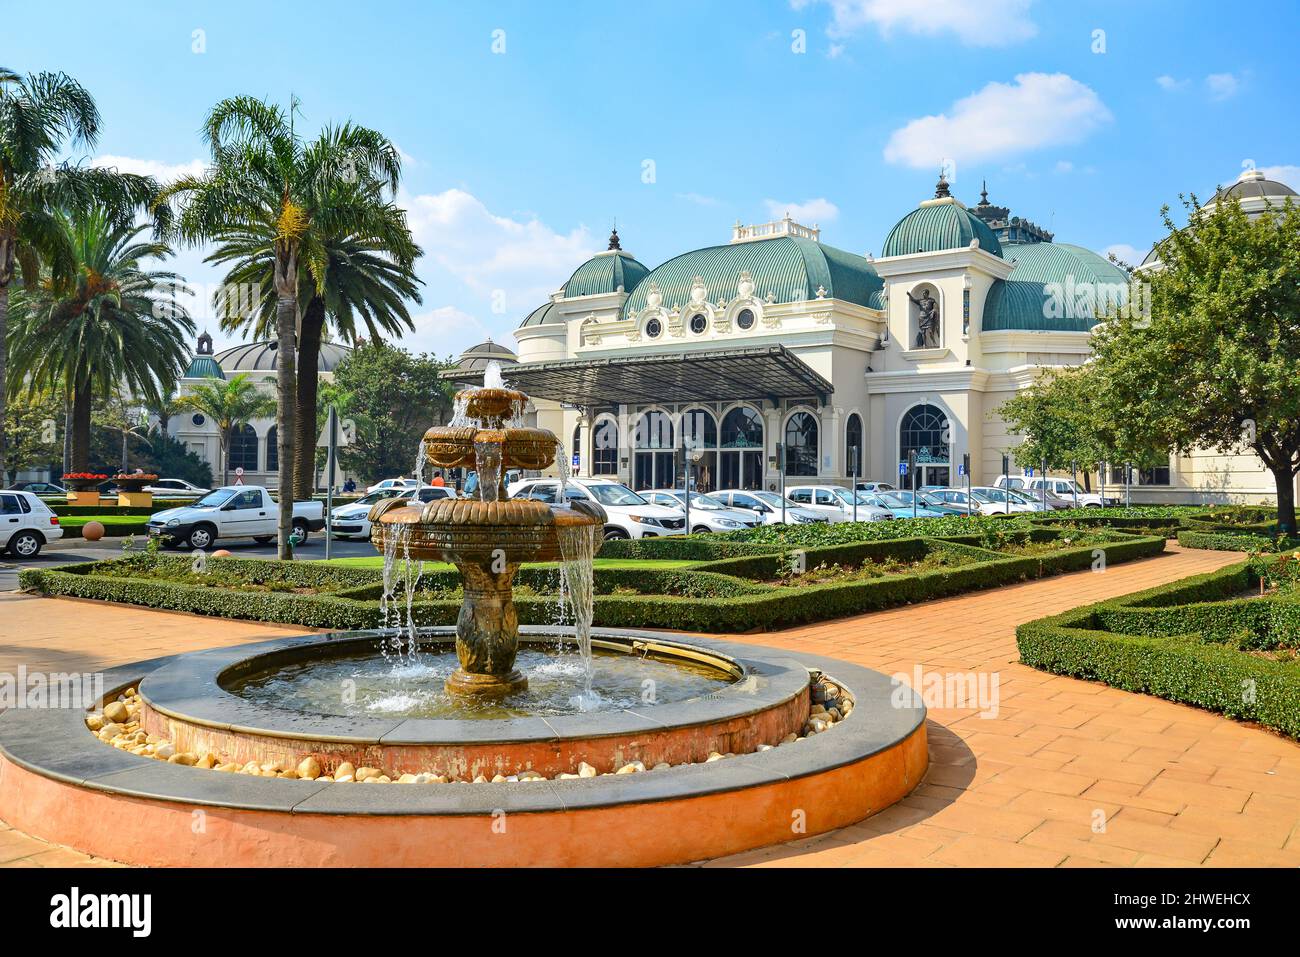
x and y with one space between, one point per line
1188 641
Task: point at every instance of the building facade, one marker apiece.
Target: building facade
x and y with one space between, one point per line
777 343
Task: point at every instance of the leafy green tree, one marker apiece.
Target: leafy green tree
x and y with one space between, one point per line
1059 419
33 429
1217 362
230 404
368 284
169 458
392 397
264 175
111 323
41 115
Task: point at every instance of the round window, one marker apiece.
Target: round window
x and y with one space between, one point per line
197 418
745 318
653 328
699 322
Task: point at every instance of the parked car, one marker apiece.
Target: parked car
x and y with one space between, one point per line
837 503
26 524
232 511
900 504
876 487
767 506
38 488
707 513
1041 496
983 499
393 485
1066 489
175 488
627 514
352 520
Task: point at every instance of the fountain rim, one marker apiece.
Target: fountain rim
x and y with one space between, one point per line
191 688
54 744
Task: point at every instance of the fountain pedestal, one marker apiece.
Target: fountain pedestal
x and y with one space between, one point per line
487 634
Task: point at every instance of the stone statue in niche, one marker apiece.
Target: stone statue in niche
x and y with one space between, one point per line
927 327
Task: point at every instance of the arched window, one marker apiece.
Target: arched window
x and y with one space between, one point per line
801 444
241 449
699 429
853 446
604 448
654 430
742 428
924 430
272 450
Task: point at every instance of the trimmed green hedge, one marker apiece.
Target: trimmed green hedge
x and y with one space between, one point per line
108 509
698 599
115 526
1183 641
1226 541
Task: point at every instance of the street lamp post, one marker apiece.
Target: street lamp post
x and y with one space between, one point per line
1042 473
911 467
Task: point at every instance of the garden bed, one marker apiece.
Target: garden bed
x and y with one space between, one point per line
726 595
1196 641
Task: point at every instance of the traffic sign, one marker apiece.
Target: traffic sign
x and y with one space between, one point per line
239 476
902 468
961 469
1029 472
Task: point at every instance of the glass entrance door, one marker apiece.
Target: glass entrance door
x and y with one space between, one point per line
931 475
741 470
653 470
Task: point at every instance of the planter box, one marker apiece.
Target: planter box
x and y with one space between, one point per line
134 499
85 497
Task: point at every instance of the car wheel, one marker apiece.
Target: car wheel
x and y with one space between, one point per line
1092 505
700 530
263 539
25 545
613 533
303 532
201 537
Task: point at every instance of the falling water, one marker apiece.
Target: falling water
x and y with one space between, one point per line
419 465
577 550
487 460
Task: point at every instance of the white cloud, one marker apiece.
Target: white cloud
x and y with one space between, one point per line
1169 84
1283 174
810 211
447 329
1222 86
508 265
163 172
1125 253
835 51
1064 166
983 23
1037 110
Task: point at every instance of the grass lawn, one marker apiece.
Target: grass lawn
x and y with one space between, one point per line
115 526
377 561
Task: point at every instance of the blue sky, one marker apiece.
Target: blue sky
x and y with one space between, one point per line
523 145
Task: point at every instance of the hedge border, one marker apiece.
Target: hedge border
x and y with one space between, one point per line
1177 663
752 605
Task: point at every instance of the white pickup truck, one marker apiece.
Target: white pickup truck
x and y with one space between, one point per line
234 511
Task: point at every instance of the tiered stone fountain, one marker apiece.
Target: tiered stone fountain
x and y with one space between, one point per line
488 537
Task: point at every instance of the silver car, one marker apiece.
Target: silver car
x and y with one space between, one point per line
767 506
708 514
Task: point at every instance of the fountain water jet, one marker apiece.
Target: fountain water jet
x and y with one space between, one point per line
489 537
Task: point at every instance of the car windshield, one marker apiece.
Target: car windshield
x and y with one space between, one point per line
374 497
896 499
698 500
771 498
845 496
1019 496
992 495
213 499
615 495
984 496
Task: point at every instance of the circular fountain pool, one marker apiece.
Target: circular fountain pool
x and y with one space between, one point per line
414 685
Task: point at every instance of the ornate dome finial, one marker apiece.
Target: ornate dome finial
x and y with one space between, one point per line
613 237
205 344
984 192
941 188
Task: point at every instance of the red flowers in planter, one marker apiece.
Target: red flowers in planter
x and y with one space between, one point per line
138 476
84 476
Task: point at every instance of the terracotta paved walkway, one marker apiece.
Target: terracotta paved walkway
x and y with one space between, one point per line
1068 773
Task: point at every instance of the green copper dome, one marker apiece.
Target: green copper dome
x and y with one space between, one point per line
1081 284
790 268
542 314
936 225
203 367
604 273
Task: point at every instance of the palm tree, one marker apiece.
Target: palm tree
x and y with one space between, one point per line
264 175
111 324
164 407
41 114
368 284
230 404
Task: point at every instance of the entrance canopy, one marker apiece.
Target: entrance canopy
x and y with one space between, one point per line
718 375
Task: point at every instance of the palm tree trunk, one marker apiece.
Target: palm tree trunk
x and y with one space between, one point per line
313 324
4 337
286 327
81 407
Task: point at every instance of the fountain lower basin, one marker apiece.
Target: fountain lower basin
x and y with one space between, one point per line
220 702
